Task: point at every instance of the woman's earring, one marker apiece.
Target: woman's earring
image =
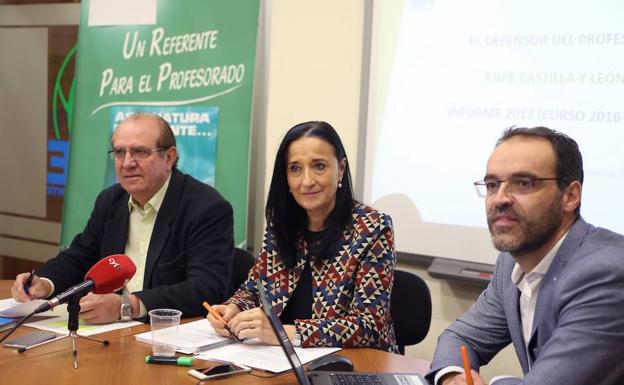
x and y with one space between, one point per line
339 184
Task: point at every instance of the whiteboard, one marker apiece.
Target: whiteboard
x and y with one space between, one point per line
448 76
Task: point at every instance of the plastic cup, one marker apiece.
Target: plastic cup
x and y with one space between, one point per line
165 324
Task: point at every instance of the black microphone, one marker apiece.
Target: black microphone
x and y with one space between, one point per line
107 276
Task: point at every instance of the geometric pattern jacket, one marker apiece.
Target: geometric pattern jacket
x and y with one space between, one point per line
350 291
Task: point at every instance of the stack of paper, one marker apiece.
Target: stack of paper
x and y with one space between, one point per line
10 308
54 320
260 356
7 323
200 338
192 337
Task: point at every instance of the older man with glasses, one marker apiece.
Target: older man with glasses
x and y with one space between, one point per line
177 230
557 292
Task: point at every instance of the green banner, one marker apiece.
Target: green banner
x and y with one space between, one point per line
195 68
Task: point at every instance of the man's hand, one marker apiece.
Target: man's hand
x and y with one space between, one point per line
460 379
39 288
100 308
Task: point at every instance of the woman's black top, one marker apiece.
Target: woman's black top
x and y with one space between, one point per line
299 305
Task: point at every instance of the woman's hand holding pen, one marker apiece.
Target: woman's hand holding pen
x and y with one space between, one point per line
245 324
254 323
227 312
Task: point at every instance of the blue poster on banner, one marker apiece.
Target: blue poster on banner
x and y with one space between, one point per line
195 130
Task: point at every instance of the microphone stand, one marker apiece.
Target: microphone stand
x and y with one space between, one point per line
73 308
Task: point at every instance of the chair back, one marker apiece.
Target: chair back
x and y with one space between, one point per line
243 262
410 308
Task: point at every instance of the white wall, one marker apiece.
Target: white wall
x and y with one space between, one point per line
313 68
25 230
308 68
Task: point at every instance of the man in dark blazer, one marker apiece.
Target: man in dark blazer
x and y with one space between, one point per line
177 230
558 288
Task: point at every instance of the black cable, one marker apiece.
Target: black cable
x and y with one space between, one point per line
17 325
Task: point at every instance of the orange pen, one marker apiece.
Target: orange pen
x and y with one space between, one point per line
466 361
216 314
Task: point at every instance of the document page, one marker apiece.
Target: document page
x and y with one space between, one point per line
192 337
56 321
12 309
260 356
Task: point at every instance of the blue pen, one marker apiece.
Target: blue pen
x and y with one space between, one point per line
29 281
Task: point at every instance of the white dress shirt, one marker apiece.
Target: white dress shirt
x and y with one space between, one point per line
529 285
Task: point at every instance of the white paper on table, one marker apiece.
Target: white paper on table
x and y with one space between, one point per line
192 337
260 356
57 323
10 308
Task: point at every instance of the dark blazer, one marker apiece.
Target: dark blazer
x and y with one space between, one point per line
189 258
578 327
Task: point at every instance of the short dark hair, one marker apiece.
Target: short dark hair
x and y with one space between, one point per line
568 158
286 218
166 138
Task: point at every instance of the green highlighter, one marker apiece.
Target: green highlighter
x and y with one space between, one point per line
180 361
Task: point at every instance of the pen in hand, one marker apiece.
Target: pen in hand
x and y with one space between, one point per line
466 361
29 281
216 314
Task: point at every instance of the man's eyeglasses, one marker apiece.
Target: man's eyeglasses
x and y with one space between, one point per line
136 153
516 185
